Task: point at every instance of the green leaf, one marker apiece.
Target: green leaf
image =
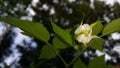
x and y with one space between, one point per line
34 29
96 43
79 64
58 44
96 27
65 35
111 27
47 53
97 62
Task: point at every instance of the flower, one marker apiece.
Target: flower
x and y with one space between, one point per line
83 34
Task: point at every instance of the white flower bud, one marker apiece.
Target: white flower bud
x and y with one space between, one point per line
83 34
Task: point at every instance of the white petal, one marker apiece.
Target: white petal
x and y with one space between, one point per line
84 39
83 27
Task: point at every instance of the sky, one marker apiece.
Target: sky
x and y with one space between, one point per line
111 2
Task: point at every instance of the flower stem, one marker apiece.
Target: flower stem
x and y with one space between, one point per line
66 65
77 56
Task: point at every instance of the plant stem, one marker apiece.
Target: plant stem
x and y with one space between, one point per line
77 56
101 36
66 65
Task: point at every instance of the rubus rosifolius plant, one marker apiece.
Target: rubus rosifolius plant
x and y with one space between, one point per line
87 35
